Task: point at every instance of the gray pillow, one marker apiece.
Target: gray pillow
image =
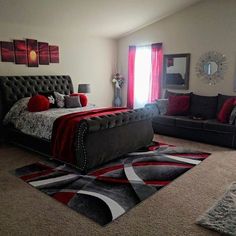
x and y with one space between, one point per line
162 105
72 101
232 117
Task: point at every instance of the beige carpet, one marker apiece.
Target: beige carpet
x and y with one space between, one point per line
171 211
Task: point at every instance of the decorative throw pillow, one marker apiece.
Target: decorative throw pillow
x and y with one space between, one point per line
203 106
51 97
162 105
72 101
221 100
38 103
83 98
225 111
232 117
60 99
178 105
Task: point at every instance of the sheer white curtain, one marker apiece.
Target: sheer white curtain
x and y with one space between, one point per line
142 75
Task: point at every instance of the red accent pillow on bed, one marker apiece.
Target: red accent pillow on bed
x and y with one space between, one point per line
38 103
226 109
178 105
83 98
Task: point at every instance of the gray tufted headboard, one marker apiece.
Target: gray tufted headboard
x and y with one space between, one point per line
13 88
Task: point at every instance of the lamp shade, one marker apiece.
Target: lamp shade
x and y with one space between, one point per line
84 88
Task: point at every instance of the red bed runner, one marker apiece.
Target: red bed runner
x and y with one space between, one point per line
64 129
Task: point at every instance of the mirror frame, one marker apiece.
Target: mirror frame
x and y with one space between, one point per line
176 86
221 62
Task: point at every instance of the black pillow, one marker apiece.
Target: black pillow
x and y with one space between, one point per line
203 106
51 97
169 93
221 100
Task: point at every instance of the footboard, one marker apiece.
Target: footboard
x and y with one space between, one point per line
102 139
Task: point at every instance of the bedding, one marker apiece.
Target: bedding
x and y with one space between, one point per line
39 124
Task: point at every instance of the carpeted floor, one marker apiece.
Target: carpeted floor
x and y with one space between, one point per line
171 211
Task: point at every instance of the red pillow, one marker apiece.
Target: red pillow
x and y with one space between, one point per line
178 105
83 98
38 103
226 109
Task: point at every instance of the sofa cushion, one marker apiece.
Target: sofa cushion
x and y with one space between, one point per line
225 111
214 125
186 122
169 93
221 100
164 120
178 105
203 106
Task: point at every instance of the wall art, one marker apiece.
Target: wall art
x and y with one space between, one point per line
29 52
43 53
54 54
7 51
32 53
20 52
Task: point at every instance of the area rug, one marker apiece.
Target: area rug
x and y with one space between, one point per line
108 192
222 216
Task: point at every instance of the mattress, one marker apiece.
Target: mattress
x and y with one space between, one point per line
38 124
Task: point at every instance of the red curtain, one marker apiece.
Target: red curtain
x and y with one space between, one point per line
131 68
157 65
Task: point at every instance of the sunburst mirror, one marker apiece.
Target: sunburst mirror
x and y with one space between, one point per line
211 66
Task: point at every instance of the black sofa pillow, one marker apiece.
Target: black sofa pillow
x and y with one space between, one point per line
203 106
169 93
221 100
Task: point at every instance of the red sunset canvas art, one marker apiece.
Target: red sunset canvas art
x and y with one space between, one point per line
43 53
7 51
54 54
20 52
32 53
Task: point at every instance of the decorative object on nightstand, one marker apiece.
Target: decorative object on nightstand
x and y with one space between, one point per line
211 67
82 89
118 82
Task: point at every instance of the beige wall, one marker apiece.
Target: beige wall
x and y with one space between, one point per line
208 25
87 59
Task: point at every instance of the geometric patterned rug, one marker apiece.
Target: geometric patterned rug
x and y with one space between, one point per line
111 190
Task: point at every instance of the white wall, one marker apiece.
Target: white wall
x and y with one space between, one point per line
87 59
208 25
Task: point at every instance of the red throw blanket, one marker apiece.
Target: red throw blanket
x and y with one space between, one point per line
64 129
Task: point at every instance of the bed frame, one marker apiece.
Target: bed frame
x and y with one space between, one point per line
98 140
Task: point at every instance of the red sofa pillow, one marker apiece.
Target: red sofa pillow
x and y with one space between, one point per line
226 109
38 103
83 98
178 105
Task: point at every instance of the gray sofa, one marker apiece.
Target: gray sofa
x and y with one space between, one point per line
207 129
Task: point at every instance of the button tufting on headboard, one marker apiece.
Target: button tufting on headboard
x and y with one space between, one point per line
13 88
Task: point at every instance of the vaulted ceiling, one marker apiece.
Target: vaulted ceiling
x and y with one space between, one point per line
106 18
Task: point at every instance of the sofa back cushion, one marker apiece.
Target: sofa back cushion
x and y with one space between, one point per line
203 106
221 100
178 105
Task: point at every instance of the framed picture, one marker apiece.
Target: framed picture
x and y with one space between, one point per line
7 51
32 53
54 54
20 52
43 53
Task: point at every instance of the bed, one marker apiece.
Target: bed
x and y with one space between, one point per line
97 140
